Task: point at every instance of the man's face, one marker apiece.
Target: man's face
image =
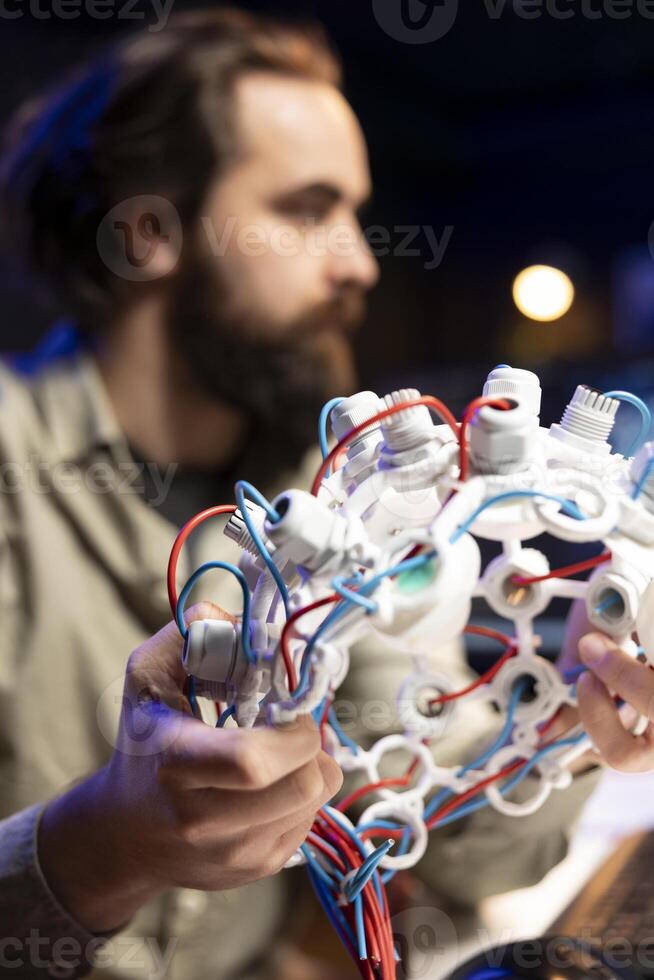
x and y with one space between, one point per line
295 252
263 305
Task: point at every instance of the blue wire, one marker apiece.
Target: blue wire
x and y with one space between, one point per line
340 734
566 505
472 807
338 584
492 973
238 574
645 417
318 868
367 870
610 600
241 489
192 698
345 606
402 849
334 914
481 761
511 783
322 424
361 932
444 794
358 843
227 713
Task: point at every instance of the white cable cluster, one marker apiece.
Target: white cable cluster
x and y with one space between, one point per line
396 490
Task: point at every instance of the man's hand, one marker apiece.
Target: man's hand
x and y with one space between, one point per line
613 672
180 803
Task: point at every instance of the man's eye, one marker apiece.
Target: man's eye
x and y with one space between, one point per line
306 210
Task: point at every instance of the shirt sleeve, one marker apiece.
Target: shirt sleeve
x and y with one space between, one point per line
38 938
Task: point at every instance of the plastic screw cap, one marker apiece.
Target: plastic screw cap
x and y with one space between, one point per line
590 414
505 381
351 412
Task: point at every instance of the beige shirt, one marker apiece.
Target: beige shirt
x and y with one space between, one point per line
82 582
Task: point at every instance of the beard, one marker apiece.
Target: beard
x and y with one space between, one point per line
278 385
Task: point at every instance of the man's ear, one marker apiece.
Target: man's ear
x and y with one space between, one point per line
141 238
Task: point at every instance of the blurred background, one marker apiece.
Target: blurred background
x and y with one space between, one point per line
507 142
518 141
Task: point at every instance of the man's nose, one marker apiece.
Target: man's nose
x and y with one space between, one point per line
353 262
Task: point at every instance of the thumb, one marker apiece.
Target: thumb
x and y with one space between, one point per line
155 669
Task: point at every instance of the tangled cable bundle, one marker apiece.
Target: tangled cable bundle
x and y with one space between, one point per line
385 548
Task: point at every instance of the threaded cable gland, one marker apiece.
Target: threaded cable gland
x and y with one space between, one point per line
352 412
505 381
236 528
590 415
406 430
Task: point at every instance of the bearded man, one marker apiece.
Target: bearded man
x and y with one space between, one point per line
191 198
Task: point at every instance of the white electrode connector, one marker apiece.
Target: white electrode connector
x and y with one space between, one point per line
509 382
237 531
315 537
414 453
503 440
211 653
587 422
362 451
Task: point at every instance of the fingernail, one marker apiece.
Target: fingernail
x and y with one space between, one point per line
593 648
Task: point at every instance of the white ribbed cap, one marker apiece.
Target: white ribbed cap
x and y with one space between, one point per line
504 381
353 411
590 414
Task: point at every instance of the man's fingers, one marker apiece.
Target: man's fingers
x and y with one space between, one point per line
157 664
235 758
599 714
577 625
210 814
631 680
295 796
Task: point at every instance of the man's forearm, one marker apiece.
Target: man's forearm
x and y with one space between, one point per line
87 859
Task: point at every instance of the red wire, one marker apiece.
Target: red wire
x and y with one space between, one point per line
464 797
492 634
484 679
473 407
378 931
458 801
352 859
347 801
288 626
379 927
179 544
580 566
434 403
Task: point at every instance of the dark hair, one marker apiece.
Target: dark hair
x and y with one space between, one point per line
151 115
